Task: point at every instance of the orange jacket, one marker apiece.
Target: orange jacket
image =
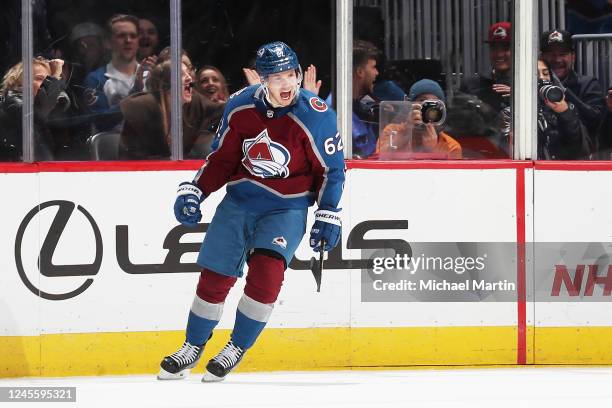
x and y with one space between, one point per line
399 142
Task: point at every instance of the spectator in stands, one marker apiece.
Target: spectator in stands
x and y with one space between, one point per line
146 131
211 83
204 113
47 88
584 92
606 129
417 134
495 90
71 128
148 38
561 135
86 40
107 85
365 117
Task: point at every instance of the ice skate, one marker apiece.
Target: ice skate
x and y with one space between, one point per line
178 365
224 362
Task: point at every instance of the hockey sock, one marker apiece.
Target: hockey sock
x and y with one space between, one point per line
203 317
264 282
207 305
251 318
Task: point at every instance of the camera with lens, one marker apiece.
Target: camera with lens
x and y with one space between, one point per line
550 92
433 111
367 109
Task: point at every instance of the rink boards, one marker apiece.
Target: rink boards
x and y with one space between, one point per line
97 277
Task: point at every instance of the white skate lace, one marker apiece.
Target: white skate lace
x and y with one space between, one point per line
229 355
187 354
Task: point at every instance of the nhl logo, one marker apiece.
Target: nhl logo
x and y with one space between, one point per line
270 113
260 52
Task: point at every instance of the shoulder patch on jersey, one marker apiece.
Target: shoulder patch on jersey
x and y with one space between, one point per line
317 104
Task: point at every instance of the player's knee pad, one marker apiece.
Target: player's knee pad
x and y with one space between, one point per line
265 277
214 287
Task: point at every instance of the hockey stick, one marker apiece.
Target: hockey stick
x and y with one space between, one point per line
317 268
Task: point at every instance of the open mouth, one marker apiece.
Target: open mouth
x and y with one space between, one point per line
285 96
187 90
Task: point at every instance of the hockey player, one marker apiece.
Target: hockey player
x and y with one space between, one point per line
278 150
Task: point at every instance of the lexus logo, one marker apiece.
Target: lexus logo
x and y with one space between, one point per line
45 258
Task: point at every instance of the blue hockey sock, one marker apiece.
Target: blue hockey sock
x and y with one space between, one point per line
203 317
251 318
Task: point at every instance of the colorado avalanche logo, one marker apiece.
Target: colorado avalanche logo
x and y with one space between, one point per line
318 104
500 33
265 158
555 36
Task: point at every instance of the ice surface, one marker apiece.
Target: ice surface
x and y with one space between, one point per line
557 387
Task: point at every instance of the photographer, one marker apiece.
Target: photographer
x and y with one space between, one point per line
561 135
422 133
584 92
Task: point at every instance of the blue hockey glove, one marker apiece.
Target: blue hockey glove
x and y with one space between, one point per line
327 227
187 204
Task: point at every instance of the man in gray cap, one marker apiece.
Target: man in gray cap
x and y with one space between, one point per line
87 47
584 92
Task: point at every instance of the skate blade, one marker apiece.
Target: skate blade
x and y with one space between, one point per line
165 375
208 377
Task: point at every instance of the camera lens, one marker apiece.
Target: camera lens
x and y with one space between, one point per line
433 112
551 93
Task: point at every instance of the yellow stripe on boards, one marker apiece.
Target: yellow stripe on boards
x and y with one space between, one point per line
405 346
19 356
573 345
81 354
277 349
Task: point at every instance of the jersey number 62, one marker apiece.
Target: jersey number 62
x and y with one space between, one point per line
332 145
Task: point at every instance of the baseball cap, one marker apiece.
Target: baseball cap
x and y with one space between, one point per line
85 30
561 38
426 86
500 33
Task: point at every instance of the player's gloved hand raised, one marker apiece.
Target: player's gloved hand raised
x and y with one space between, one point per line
327 227
187 204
